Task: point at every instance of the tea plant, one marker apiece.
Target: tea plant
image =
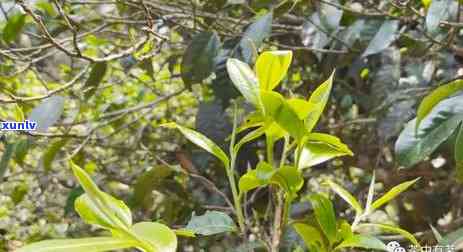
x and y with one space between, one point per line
276 118
439 116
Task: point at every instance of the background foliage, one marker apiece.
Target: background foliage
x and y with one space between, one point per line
99 77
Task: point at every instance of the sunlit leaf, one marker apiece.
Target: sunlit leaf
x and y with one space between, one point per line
438 11
391 229
312 238
47 113
14 27
436 96
320 148
391 194
318 101
345 195
160 237
78 245
96 205
271 68
244 80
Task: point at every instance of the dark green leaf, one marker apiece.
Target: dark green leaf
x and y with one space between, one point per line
210 223
21 149
324 212
455 238
96 77
385 36
413 146
459 154
198 59
71 199
436 96
254 36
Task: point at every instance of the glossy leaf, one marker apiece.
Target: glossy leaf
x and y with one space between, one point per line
413 146
97 207
391 229
271 68
14 27
363 241
244 80
47 113
78 245
289 178
383 38
301 107
96 77
254 35
436 96
438 11
312 238
391 194
346 196
324 212
318 101
210 223
198 59
258 177
320 148
459 154
201 141
160 237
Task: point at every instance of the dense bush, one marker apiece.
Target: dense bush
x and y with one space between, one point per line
264 168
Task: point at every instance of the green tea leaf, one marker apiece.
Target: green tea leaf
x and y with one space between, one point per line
198 59
318 101
210 223
258 177
160 237
455 238
97 244
346 196
459 154
97 207
392 229
244 80
326 218
289 178
312 238
96 77
320 148
201 141
436 96
413 145
391 194
14 27
271 68
254 36
362 241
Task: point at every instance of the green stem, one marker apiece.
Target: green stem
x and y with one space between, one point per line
231 174
270 144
